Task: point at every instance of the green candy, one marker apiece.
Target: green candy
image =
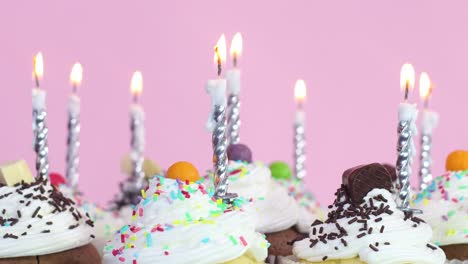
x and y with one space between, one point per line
280 170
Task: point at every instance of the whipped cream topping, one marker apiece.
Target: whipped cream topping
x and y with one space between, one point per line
375 231
36 219
106 222
272 206
445 208
180 222
309 208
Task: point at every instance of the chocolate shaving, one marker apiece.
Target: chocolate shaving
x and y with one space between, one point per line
373 247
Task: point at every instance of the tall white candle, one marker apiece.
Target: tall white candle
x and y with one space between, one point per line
429 122
39 121
138 131
300 92
233 86
407 115
217 124
73 139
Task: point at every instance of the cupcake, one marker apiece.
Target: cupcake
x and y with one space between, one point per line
39 224
365 226
445 206
277 213
309 208
128 196
105 222
178 221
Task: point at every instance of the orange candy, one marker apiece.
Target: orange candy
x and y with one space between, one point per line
184 171
457 161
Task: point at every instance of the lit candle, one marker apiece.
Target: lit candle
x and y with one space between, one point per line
217 123
233 87
39 120
73 140
407 115
138 132
429 122
300 92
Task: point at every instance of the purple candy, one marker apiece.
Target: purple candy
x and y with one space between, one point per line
239 152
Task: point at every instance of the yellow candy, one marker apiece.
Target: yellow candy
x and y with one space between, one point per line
183 171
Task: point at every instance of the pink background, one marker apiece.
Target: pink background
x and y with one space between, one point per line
349 53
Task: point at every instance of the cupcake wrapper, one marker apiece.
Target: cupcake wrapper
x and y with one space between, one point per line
287 260
294 260
456 261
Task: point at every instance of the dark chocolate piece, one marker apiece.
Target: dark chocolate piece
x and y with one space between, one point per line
392 170
362 179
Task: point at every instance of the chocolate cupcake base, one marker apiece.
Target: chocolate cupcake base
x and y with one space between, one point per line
83 255
456 251
281 243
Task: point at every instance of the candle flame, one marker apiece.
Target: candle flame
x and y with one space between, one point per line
407 77
38 66
236 45
76 74
425 86
300 91
136 86
220 50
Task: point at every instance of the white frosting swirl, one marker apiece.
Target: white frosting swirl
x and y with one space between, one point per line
274 208
106 222
445 208
36 219
400 240
309 208
181 223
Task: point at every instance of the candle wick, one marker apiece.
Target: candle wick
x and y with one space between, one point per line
135 98
75 88
36 79
218 61
406 92
426 103
234 59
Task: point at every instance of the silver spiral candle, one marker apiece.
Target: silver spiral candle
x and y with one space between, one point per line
425 175
220 160
405 150
137 144
233 119
40 143
73 144
299 150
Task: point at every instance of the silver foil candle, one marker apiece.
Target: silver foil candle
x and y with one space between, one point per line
299 131
429 122
130 189
217 124
137 134
73 139
407 115
40 130
233 88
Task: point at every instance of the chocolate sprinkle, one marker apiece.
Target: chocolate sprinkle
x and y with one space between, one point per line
361 235
324 258
36 211
373 247
431 246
